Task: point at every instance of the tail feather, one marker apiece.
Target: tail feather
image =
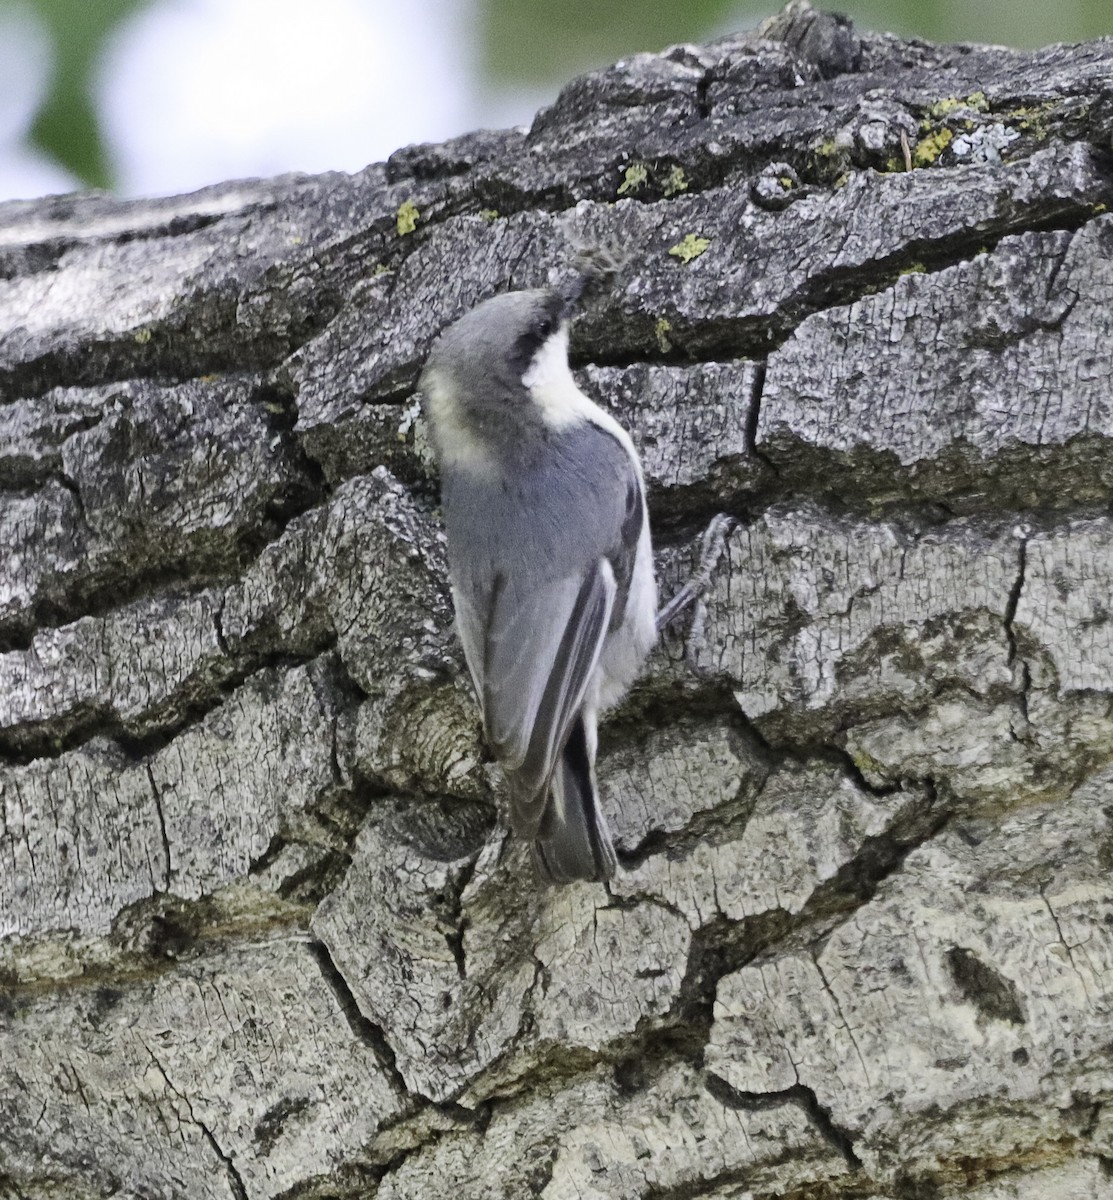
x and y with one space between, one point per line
573 841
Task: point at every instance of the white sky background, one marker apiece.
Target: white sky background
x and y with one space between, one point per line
197 91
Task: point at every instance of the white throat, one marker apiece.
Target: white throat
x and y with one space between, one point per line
560 401
550 383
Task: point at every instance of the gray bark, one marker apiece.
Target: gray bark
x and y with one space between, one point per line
262 929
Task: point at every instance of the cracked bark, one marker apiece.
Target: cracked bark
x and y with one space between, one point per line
247 823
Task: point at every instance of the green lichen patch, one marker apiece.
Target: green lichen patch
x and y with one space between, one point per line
652 180
676 182
975 102
661 331
408 217
828 160
929 148
689 247
634 179
1033 119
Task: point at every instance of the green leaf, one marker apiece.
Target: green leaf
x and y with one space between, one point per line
66 126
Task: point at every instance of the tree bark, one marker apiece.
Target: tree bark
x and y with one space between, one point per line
262 930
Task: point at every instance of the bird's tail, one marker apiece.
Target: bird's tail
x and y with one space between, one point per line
573 841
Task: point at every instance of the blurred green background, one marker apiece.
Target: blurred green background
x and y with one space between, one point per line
524 39
533 46
66 126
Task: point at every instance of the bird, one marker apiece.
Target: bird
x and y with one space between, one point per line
550 561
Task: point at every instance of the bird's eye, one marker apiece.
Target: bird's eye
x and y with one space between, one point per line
545 327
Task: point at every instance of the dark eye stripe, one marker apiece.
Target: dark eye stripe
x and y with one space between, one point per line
534 338
526 347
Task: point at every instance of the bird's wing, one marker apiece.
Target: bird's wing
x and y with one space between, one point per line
531 655
471 625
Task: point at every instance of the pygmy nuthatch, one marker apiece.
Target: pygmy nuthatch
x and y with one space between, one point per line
549 558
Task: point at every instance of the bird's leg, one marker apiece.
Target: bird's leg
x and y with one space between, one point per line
711 550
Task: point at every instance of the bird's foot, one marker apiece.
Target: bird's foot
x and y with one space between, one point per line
711 550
